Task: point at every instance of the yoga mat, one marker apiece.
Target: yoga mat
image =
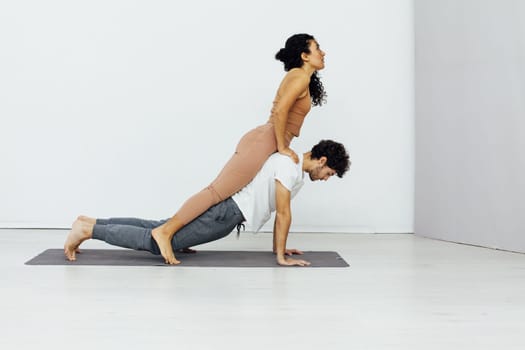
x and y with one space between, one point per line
203 258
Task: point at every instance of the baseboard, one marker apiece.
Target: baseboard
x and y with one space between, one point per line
34 225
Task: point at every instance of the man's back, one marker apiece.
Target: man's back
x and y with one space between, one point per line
257 199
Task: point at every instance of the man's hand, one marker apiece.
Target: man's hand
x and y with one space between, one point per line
290 252
292 262
281 227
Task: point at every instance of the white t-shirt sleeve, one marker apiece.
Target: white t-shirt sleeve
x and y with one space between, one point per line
286 173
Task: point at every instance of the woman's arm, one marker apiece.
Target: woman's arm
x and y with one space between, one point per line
293 87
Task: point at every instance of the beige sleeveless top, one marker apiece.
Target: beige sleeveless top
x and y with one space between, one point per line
296 114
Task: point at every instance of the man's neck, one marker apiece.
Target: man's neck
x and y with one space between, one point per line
307 161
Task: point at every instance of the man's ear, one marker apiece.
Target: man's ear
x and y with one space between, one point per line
322 161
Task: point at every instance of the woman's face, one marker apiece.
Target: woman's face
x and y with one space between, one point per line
316 56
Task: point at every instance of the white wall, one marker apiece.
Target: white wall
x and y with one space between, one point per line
470 126
125 108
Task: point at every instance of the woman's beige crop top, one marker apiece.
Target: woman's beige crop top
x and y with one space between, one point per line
296 114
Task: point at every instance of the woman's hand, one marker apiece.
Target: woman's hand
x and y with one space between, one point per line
290 153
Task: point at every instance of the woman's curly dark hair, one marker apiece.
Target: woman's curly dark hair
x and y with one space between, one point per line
290 55
336 156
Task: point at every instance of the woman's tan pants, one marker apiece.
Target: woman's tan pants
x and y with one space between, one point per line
252 151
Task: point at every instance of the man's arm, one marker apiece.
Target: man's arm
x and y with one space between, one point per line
283 218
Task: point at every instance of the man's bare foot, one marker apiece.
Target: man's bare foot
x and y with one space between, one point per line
89 220
80 231
164 242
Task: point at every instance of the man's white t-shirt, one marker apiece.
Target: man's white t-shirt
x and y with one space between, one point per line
257 200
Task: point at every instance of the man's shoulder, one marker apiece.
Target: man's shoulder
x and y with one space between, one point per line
282 166
281 159
285 170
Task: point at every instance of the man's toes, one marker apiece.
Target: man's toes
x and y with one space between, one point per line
70 255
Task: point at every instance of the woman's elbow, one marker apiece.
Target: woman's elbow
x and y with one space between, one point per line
283 214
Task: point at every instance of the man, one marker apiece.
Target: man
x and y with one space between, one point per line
272 189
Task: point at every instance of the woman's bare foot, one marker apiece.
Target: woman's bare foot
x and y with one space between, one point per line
164 242
87 219
80 231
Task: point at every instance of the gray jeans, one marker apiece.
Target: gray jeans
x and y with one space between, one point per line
215 223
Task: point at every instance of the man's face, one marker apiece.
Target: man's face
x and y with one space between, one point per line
321 172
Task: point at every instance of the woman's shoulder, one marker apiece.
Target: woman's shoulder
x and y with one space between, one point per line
295 77
297 73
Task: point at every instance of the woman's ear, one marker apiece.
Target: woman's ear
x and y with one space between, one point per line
304 57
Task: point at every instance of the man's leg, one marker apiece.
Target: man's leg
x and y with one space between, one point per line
80 231
217 222
133 222
123 232
123 221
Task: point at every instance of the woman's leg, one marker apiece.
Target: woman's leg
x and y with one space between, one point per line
251 153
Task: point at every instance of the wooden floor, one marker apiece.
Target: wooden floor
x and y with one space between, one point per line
400 292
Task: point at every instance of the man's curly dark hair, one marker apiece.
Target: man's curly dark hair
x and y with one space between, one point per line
336 156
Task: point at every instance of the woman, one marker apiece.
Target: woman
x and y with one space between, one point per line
299 89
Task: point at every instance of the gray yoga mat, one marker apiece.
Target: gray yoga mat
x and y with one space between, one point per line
203 258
